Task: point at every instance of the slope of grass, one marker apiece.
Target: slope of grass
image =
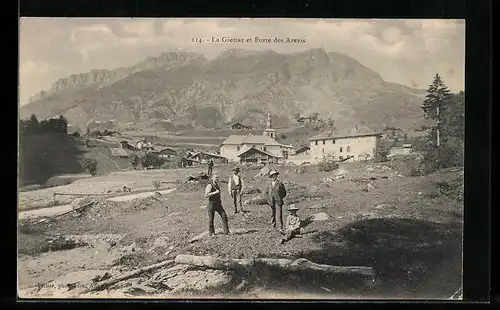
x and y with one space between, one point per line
46 155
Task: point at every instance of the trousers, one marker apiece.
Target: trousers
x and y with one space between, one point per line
209 172
277 209
236 195
213 207
290 234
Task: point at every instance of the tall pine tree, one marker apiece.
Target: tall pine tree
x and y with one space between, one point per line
435 103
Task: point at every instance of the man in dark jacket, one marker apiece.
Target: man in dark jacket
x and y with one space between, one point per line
276 192
212 193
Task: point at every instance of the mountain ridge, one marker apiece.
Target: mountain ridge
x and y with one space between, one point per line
189 88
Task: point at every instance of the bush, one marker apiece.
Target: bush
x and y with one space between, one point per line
415 172
151 160
134 160
90 164
157 184
301 170
445 156
381 153
328 164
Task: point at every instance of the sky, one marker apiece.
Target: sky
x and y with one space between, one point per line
405 51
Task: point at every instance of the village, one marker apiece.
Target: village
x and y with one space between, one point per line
246 148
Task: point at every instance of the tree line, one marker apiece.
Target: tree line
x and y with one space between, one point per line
32 126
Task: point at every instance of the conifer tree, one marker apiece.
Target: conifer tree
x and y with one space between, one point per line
435 103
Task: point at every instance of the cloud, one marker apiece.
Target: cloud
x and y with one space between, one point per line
391 35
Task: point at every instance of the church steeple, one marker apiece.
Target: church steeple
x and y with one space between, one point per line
268 122
269 130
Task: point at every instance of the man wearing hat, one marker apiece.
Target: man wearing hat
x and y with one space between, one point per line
292 224
276 192
234 186
212 193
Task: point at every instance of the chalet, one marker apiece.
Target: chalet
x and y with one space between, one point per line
359 143
204 157
167 153
235 145
303 150
239 126
305 120
255 156
300 156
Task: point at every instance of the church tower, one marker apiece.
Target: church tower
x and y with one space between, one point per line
269 130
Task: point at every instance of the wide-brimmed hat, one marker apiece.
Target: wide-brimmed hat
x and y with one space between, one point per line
236 169
292 208
273 172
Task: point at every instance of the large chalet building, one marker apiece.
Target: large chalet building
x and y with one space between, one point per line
358 143
247 149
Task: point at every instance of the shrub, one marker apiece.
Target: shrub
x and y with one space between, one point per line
151 160
445 156
90 164
328 164
157 184
301 170
415 172
381 153
134 160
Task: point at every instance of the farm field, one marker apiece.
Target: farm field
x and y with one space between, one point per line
408 229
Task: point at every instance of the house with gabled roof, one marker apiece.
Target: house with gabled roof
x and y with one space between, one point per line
240 126
358 143
203 157
258 157
236 145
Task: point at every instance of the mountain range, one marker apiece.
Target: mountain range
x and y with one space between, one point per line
238 85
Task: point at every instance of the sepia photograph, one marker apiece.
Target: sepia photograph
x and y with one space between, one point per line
241 158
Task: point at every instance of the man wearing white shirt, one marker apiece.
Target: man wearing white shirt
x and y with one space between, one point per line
235 186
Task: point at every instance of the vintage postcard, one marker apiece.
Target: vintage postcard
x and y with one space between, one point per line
241 158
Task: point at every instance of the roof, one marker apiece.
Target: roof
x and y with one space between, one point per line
234 124
167 149
358 131
260 151
304 147
207 153
287 146
249 139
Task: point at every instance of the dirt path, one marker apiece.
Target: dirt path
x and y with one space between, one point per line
139 195
52 211
46 212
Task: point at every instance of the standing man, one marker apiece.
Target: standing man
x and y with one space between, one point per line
212 193
210 166
235 189
276 192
